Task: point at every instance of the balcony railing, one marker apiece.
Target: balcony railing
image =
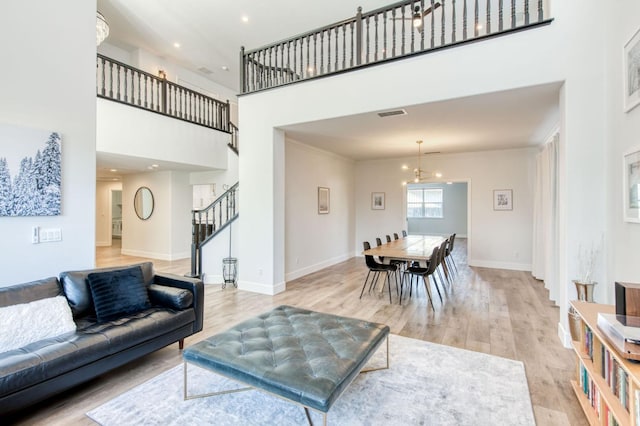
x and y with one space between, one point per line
389 33
120 82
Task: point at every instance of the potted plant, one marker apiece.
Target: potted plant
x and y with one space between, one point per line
584 286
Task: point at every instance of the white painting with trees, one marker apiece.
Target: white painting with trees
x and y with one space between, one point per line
29 172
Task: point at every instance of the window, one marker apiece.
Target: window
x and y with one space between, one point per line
423 202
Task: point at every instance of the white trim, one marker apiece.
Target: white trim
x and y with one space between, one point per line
103 243
500 265
564 336
292 275
262 288
153 255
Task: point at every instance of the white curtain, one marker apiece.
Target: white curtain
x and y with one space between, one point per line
545 217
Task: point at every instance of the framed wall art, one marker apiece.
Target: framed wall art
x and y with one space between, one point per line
631 186
323 200
631 68
30 171
377 201
503 199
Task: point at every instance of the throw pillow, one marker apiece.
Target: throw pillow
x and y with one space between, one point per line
27 323
118 293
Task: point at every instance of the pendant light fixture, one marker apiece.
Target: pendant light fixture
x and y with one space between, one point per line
421 175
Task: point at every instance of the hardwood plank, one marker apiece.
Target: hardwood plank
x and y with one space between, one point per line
504 313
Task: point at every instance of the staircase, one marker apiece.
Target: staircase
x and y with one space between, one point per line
209 222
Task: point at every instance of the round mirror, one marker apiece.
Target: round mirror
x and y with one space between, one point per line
143 203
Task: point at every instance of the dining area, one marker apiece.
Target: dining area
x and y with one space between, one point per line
407 261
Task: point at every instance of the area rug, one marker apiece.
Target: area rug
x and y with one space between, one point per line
426 384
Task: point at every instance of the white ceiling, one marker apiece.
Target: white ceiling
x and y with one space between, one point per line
211 33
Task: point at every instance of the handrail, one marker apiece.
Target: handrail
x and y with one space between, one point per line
235 138
209 221
382 35
123 83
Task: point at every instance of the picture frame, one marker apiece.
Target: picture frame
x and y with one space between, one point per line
323 200
503 199
631 185
377 200
631 69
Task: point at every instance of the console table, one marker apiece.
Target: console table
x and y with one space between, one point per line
607 385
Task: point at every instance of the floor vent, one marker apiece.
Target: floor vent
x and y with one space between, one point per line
392 113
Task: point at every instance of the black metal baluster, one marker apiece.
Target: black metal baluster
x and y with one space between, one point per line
384 38
513 13
464 20
111 80
294 64
104 80
375 41
139 89
443 24
500 15
422 26
526 12
358 52
118 71
126 77
308 66
488 17
314 69
433 24
146 103
366 23
337 63
412 29
321 70
540 11
403 31
329 50
289 70
453 21
393 32
344 46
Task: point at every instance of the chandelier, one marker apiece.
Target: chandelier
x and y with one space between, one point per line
420 174
102 28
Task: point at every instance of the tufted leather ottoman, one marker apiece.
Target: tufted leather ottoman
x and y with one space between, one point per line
305 357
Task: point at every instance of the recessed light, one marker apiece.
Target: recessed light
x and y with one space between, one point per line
113 170
154 166
405 167
176 45
225 68
245 18
438 175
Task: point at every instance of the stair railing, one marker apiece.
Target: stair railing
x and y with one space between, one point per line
402 29
208 222
235 133
123 83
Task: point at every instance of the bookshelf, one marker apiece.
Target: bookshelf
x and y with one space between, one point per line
606 385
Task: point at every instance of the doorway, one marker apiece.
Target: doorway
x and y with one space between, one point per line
116 217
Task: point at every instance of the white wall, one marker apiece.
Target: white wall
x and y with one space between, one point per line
166 234
48 82
103 211
314 241
125 130
454 206
623 241
497 239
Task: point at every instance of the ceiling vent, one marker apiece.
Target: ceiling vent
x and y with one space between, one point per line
392 113
205 70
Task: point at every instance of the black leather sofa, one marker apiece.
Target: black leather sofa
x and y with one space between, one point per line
47 367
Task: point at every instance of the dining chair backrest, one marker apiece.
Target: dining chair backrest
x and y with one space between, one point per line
442 251
433 260
368 259
452 238
388 239
378 241
395 236
404 233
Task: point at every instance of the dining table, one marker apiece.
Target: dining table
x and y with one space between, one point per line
411 248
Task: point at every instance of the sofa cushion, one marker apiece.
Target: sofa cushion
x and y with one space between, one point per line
118 293
50 358
26 323
76 288
170 297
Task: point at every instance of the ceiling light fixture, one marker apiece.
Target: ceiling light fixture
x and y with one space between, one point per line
102 28
176 45
420 174
245 18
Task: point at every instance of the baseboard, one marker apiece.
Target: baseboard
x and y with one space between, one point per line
262 288
103 243
565 337
290 276
500 265
154 255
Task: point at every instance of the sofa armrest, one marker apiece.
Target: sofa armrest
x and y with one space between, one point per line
192 284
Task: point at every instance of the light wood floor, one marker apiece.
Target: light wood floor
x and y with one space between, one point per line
504 313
